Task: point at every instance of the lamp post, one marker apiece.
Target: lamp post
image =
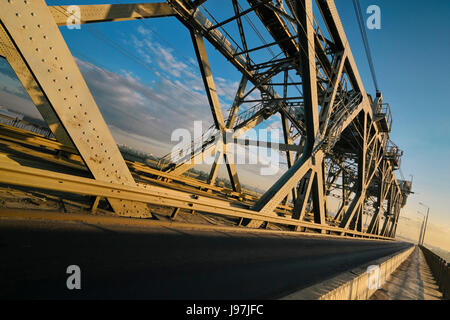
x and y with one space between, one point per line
426 221
421 228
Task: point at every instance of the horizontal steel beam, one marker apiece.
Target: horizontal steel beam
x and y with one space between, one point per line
14 174
111 12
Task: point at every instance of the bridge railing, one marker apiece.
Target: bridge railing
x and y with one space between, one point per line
25 125
440 269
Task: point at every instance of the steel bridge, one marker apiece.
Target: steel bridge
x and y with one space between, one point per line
336 135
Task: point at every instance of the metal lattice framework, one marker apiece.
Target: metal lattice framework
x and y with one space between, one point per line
336 136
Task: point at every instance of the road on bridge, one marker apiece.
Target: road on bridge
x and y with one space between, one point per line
121 258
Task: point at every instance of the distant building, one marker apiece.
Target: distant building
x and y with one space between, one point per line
6 112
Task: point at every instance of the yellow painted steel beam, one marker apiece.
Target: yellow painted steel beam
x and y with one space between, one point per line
14 174
29 138
111 12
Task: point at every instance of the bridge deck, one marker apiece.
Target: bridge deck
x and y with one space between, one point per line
140 258
413 280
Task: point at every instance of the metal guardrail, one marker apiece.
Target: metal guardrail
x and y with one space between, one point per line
440 269
385 110
393 154
25 125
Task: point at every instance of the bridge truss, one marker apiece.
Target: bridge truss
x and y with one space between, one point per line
336 136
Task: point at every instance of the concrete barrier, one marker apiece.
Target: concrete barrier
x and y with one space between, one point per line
356 284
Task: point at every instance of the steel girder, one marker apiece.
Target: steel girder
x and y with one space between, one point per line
16 174
332 122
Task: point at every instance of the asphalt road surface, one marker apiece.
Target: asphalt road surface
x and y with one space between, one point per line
136 262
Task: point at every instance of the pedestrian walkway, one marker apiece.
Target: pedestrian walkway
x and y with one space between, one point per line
412 280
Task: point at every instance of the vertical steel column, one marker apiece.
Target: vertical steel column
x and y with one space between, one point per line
304 191
237 102
214 104
308 71
383 189
267 203
388 212
398 202
358 200
288 141
331 92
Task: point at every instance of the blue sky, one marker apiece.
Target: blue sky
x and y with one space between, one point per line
410 54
